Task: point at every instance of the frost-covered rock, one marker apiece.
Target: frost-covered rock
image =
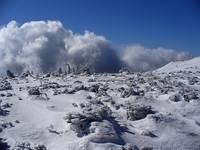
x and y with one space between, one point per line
104 132
5 85
191 96
34 91
131 92
175 98
148 133
91 112
51 85
29 146
94 88
79 123
75 89
130 147
137 112
3 110
193 80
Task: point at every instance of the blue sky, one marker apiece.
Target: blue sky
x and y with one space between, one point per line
153 23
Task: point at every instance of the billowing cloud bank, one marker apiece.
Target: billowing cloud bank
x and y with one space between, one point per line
139 58
44 46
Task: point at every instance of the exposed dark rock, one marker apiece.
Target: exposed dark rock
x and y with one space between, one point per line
3 145
10 74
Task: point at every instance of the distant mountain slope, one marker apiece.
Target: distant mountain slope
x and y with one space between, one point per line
188 65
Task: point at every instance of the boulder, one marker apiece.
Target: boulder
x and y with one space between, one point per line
137 112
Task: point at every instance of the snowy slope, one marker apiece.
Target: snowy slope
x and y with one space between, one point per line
101 112
188 65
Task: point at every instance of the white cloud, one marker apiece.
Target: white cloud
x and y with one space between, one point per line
42 46
139 58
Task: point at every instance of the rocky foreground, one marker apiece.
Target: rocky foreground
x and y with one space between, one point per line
124 111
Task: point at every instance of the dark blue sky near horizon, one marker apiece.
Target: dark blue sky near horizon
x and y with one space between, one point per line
153 23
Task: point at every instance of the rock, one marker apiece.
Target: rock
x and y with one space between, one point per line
9 94
6 105
148 133
17 121
89 97
191 96
94 88
5 85
79 123
52 130
93 111
91 80
131 92
124 70
69 91
23 146
28 146
2 94
48 75
3 111
175 98
40 147
79 88
78 82
137 112
74 104
51 85
74 89
104 132
147 148
130 147
34 91
10 74
5 125
25 74
193 80
3 144
86 71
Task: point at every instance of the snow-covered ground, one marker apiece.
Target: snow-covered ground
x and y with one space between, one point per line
188 65
158 110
